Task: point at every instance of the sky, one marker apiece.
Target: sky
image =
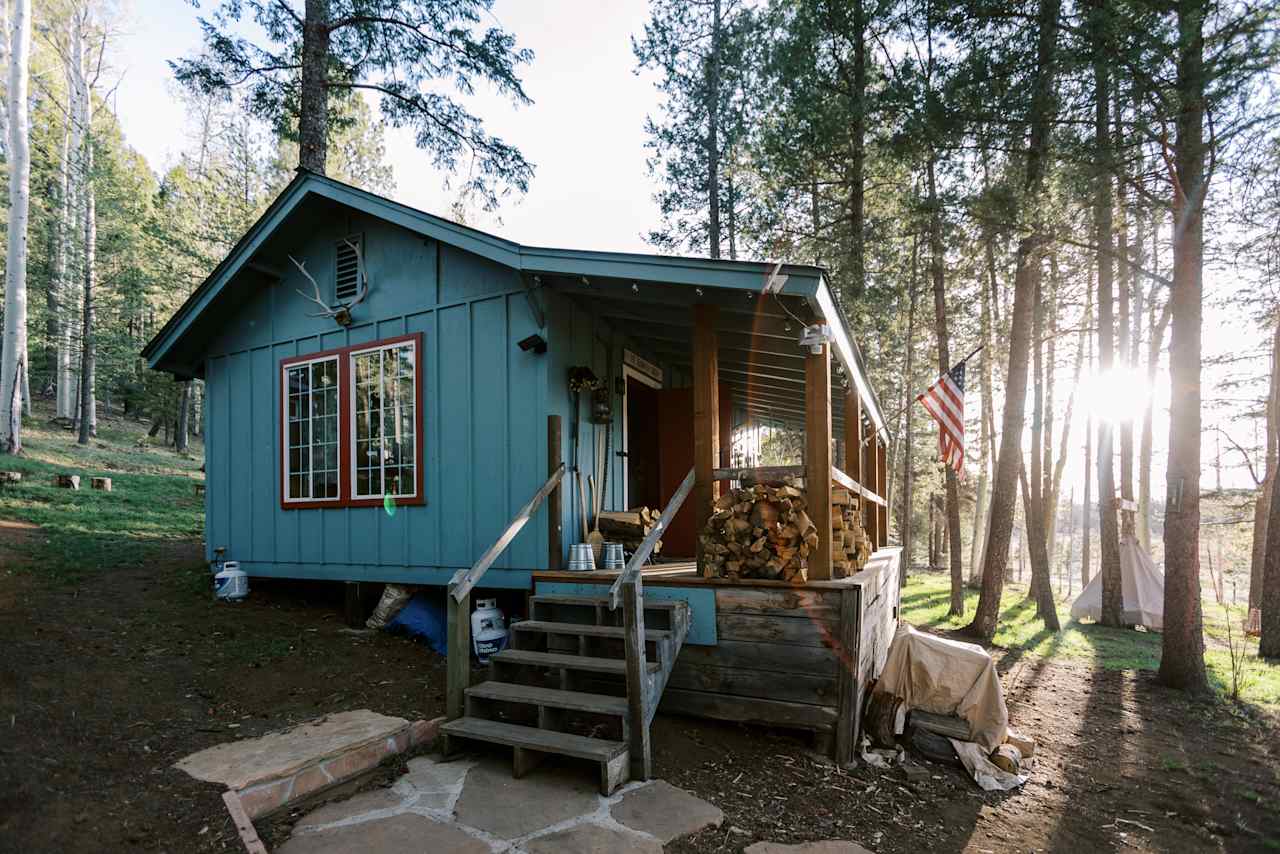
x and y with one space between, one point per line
585 135
584 132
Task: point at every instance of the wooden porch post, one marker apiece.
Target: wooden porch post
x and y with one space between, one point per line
817 456
706 418
869 511
555 521
853 438
882 487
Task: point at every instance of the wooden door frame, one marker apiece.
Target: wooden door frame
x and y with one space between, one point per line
629 372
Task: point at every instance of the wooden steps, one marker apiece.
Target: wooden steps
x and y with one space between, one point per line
567 668
611 755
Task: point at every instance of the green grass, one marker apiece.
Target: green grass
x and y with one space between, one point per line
926 598
152 504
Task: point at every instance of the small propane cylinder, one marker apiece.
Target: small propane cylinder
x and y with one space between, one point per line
488 630
230 584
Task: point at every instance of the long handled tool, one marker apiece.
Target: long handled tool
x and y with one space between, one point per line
595 538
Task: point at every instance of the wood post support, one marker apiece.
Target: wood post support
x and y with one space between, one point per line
848 695
882 488
555 517
869 508
706 417
459 654
817 457
637 679
353 605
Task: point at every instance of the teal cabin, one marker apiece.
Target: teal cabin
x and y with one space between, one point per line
386 390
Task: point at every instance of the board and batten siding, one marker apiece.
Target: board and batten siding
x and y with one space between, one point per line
484 418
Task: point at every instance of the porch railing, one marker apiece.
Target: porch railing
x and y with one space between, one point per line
459 599
628 590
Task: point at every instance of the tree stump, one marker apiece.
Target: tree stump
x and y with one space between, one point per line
67 481
10 477
100 483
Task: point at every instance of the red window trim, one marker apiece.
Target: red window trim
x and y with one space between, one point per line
345 394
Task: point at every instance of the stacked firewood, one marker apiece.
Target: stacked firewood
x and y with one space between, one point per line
764 531
629 527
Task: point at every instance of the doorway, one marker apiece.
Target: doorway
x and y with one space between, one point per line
640 441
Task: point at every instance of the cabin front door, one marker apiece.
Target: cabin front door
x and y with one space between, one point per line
640 442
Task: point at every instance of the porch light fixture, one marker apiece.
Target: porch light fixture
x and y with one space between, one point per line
698 291
815 336
534 343
635 289
586 281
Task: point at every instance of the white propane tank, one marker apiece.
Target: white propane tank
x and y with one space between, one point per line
488 630
230 584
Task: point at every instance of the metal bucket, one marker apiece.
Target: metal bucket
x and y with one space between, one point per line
614 559
580 558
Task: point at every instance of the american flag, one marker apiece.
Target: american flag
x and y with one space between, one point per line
945 402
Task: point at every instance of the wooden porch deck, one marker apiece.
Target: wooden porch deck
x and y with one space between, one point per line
790 655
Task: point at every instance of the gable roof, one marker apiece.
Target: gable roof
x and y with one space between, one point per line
802 280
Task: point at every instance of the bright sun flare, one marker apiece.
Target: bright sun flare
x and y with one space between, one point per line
1119 395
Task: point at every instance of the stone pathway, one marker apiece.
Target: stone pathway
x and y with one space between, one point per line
476 807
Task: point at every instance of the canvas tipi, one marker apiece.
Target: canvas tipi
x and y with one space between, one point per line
1142 585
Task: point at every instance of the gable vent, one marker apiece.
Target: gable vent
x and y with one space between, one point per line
347 280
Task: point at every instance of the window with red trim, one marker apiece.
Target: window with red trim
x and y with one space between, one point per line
352 426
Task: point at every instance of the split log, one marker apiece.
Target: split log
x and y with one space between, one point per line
948 725
66 481
764 531
100 483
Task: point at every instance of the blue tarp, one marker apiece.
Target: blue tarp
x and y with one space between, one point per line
424 618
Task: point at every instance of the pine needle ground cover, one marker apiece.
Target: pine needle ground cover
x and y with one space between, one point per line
926 598
67 534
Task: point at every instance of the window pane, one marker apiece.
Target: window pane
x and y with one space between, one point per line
313 430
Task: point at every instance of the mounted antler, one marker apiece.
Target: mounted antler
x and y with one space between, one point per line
342 313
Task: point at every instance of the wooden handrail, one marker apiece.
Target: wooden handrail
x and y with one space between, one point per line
758 473
632 570
855 487
463 580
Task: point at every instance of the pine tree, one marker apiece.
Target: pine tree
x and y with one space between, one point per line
404 51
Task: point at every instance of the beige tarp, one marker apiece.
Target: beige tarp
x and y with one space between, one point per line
1141 583
947 677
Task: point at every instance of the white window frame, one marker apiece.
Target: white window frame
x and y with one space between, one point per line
336 358
412 344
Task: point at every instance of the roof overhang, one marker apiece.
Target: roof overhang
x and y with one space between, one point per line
763 306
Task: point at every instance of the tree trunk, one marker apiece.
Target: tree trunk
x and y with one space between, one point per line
1262 505
1035 503
1182 648
908 473
12 360
713 133
1112 594
1005 488
955 548
313 117
88 356
858 132
181 431
1147 442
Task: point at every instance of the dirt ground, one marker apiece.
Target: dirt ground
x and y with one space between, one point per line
105 683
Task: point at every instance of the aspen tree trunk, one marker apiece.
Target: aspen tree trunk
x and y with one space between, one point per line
1124 283
1182 648
181 430
313 113
1112 595
1262 506
1049 334
955 548
12 361
74 181
88 355
984 458
1009 462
